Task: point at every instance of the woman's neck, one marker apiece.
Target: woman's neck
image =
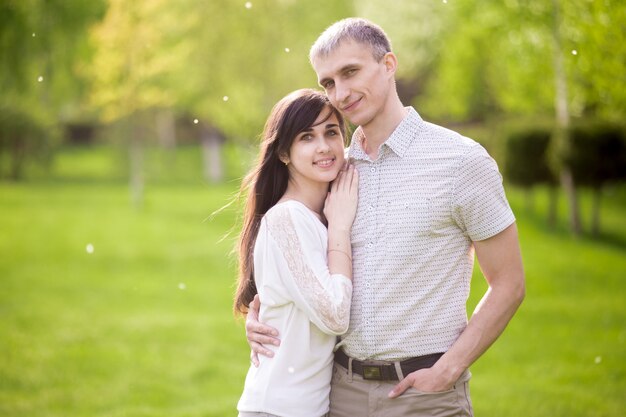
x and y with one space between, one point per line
312 197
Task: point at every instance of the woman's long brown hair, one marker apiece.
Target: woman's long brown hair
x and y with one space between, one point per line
266 183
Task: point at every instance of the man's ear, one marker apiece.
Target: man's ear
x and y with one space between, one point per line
391 62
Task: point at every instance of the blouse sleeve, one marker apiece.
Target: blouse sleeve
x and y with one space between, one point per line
325 298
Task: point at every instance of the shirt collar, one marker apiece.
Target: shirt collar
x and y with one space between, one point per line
398 141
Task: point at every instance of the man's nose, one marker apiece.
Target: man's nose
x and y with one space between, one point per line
342 92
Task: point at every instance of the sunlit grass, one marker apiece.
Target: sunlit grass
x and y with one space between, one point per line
114 333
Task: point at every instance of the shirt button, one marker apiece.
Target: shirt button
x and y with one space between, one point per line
373 169
370 207
369 245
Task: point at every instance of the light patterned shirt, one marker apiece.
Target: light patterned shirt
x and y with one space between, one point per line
422 202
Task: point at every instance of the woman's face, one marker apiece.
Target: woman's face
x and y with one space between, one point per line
317 154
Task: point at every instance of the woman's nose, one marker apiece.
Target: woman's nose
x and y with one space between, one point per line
322 145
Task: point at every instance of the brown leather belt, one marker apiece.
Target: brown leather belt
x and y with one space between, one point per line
385 370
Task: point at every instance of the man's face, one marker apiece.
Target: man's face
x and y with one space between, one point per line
354 81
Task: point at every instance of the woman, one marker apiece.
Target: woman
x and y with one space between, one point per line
301 268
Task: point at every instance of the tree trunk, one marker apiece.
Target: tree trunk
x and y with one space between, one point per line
136 163
595 212
567 182
211 155
553 199
166 128
563 121
17 160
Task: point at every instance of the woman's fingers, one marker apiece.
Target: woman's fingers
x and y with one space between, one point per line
336 182
354 180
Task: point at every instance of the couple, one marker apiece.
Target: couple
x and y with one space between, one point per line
390 275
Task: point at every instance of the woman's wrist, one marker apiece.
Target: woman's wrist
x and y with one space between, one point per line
337 227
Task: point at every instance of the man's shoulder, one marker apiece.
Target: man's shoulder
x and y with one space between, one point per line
447 137
441 142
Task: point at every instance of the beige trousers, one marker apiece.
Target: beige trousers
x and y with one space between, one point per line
351 396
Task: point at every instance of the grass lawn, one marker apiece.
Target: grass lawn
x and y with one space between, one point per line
142 325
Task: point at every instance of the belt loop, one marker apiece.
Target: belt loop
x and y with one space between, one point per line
349 369
399 371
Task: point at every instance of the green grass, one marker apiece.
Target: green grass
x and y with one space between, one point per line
114 333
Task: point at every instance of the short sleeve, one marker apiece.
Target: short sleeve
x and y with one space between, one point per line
325 298
480 207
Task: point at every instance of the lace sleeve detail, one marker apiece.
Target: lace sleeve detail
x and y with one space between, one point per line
327 297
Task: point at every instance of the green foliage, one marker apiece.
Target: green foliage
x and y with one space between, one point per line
42 47
597 153
219 61
42 44
26 138
496 57
526 156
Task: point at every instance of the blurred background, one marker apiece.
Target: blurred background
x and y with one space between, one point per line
126 125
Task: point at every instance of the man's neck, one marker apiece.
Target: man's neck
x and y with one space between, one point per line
378 130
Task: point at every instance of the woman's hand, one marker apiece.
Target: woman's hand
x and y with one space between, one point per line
341 201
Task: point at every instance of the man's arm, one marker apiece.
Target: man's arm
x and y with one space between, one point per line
501 262
259 334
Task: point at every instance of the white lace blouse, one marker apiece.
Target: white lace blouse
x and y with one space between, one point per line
307 305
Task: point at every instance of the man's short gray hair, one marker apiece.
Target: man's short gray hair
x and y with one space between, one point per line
356 29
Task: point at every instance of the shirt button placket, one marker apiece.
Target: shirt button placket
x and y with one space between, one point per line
371 258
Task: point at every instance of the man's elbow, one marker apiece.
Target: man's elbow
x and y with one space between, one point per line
519 288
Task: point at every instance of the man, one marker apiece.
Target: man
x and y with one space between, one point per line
428 199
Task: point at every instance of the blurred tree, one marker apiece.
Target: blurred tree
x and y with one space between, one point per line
242 57
502 51
527 165
41 47
223 62
597 157
130 73
24 138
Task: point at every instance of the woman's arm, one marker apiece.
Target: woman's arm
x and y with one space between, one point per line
340 210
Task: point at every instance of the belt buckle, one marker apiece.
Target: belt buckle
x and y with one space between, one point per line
372 372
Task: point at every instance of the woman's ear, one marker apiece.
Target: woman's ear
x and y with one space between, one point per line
284 159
